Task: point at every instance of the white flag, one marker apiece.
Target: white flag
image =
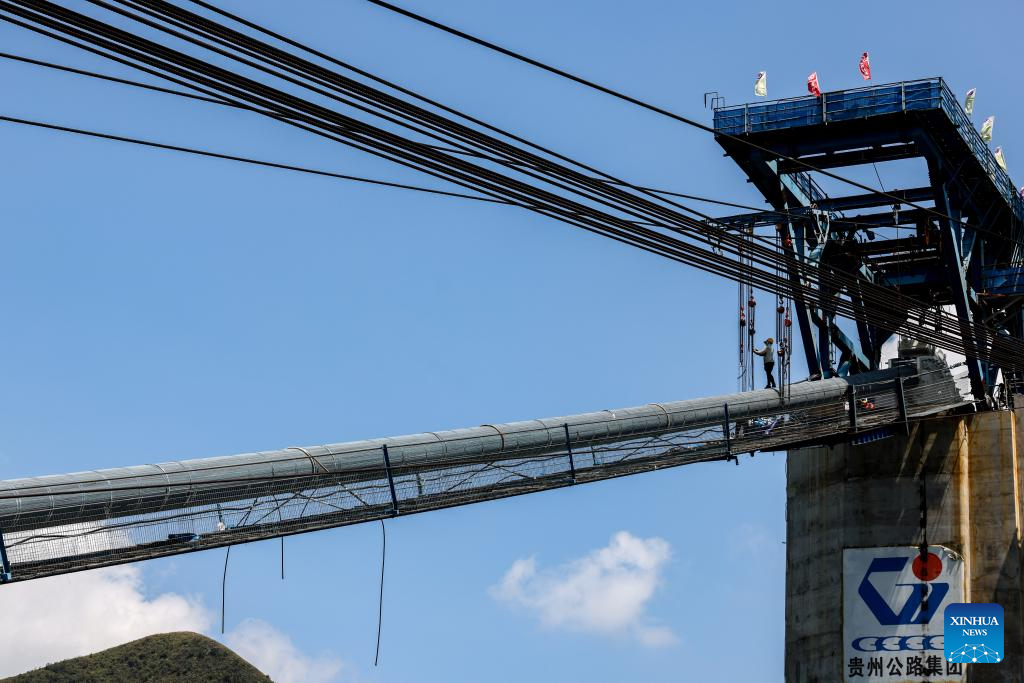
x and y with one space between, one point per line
986 128
969 101
761 84
999 158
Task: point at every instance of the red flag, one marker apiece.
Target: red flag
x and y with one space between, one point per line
812 85
865 67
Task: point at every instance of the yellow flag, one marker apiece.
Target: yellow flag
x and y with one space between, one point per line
986 128
999 158
761 84
969 101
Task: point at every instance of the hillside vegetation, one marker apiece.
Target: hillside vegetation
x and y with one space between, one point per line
163 658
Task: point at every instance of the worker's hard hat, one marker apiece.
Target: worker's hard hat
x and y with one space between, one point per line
769 340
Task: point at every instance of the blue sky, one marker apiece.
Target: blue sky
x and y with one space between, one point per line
161 307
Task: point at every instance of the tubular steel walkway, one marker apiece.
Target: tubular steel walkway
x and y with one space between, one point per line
64 523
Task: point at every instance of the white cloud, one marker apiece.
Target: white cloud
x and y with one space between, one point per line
76 614
655 636
273 653
60 617
753 539
605 592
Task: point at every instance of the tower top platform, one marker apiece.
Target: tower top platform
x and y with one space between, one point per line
873 116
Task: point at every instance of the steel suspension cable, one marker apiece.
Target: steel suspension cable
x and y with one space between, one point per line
558 207
138 2
223 102
644 105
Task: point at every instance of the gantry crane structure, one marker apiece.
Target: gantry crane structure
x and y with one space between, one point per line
956 240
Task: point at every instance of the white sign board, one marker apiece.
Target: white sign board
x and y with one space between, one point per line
893 605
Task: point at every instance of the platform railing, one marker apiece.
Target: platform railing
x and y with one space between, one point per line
839 105
1000 178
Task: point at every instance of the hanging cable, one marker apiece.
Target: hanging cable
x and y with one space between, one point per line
224 589
742 371
380 602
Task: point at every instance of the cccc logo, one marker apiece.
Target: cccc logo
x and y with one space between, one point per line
898 643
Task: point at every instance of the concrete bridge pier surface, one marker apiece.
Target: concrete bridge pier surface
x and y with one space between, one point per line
952 483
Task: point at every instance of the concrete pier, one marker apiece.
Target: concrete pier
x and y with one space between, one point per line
871 496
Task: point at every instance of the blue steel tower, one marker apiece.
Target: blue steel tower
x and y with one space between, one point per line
956 239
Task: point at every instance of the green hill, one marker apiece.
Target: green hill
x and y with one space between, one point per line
167 658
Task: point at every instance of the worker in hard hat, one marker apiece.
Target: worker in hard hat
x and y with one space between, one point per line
768 353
